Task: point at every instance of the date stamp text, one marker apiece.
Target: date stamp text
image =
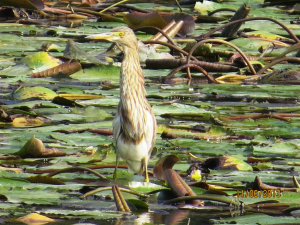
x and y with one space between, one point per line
258 193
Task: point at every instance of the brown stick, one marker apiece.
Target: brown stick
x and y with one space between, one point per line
211 79
263 186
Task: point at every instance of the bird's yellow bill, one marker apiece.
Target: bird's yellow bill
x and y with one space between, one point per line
110 36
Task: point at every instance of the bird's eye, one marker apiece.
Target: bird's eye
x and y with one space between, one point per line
121 34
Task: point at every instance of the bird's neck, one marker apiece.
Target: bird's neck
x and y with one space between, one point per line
131 75
133 103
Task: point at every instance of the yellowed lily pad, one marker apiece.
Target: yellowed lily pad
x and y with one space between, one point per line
26 122
8 169
40 61
34 92
227 163
44 180
35 219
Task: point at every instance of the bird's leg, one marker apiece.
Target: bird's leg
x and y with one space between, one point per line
116 168
145 162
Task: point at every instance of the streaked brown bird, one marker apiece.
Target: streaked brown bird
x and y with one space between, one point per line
134 127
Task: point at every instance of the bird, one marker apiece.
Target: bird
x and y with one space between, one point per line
134 125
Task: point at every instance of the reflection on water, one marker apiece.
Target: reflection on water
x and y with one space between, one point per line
173 217
179 217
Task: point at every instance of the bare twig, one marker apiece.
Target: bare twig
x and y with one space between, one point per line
249 19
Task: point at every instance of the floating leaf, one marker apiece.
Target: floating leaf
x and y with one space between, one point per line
64 101
40 61
3 198
145 187
226 163
205 6
80 96
266 34
73 51
231 79
34 92
98 73
8 169
27 122
203 49
260 218
35 148
35 219
277 149
281 77
214 133
139 204
214 189
137 19
44 180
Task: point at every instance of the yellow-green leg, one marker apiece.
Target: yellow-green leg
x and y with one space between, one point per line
145 162
116 168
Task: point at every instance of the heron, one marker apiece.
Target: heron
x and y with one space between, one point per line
134 126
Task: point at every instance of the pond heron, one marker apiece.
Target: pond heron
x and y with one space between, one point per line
134 126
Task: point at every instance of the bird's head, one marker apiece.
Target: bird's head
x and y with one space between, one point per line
120 35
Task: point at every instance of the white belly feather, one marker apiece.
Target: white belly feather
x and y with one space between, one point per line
131 152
